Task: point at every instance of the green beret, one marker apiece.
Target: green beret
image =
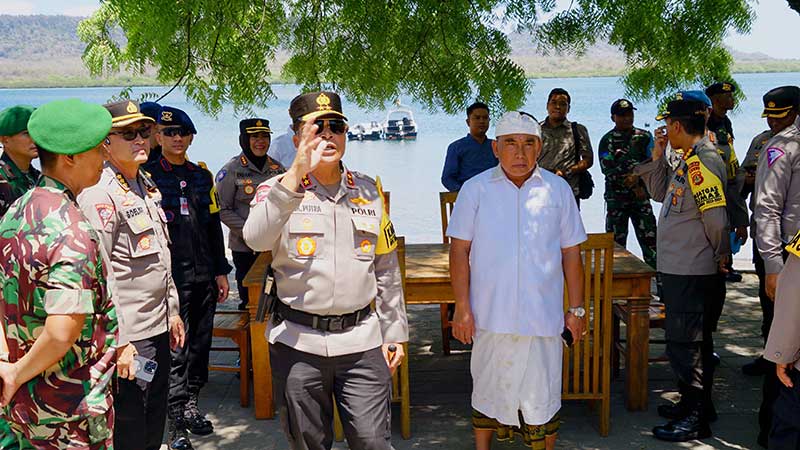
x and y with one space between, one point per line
69 126
14 120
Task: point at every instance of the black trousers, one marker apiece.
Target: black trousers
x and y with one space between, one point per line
770 387
693 307
141 407
304 384
189 371
243 261
785 432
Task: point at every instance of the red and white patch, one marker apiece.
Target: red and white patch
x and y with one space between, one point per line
773 154
105 212
144 243
261 193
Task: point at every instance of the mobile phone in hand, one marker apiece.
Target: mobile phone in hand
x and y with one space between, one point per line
144 369
566 336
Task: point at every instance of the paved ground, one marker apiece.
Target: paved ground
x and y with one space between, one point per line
441 390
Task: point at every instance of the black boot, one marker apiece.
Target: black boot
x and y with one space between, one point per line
196 422
178 437
688 428
679 410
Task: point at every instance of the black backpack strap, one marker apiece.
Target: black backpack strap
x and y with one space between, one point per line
577 141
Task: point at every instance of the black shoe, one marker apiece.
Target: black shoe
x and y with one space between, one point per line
756 368
689 428
716 359
733 277
178 437
196 422
677 411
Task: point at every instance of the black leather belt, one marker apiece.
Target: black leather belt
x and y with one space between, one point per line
321 323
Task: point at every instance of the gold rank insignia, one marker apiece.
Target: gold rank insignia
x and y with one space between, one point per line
305 181
726 87
360 201
123 182
249 189
243 160
259 123
323 102
350 181
306 246
366 246
131 108
771 105
679 192
680 172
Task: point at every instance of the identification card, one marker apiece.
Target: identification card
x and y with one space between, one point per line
184 206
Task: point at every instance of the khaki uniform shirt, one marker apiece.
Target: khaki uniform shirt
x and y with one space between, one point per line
737 207
777 212
783 344
558 149
236 186
750 162
693 222
133 231
331 256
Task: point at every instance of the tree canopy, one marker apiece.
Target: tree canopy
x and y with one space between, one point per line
443 53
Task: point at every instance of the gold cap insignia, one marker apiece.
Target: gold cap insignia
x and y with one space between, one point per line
679 96
324 102
131 108
726 87
259 124
166 116
623 104
771 105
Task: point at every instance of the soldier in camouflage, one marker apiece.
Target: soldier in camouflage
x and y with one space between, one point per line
17 176
60 322
620 150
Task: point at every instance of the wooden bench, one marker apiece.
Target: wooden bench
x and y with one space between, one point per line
235 325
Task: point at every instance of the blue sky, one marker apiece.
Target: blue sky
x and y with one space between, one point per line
772 15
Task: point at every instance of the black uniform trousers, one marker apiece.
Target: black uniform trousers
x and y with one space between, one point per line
303 387
693 307
785 434
141 407
189 373
243 261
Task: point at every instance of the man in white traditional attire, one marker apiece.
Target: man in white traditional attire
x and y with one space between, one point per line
515 237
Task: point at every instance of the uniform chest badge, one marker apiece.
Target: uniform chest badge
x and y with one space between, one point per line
307 223
144 243
674 200
697 178
249 189
680 172
366 246
105 212
679 192
360 201
306 246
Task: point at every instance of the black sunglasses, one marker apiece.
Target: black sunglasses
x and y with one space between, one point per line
130 135
337 126
174 131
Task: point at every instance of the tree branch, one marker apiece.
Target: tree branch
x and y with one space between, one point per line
188 58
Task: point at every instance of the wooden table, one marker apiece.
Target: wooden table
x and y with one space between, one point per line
428 282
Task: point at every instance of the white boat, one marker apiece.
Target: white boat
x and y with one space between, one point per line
365 132
399 124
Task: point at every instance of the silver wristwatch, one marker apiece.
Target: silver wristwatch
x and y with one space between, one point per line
577 311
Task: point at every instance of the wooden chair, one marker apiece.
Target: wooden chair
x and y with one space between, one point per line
401 389
447 201
235 325
587 364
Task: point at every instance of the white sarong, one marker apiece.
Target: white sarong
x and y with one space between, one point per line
513 373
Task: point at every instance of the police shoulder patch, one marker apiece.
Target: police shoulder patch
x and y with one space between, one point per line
774 154
221 174
105 211
706 187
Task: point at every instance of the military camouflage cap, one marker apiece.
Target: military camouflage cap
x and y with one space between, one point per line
14 120
125 113
69 126
720 88
255 125
314 105
780 101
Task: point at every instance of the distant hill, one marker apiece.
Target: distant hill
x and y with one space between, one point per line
44 51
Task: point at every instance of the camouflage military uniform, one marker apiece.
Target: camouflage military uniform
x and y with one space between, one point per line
619 153
50 263
14 183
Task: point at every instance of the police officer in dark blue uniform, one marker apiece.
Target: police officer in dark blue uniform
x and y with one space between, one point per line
199 267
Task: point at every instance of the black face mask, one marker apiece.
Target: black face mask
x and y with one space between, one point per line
258 161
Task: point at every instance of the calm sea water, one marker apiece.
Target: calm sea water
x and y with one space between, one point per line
411 170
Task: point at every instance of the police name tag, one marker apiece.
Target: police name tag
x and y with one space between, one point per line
184 206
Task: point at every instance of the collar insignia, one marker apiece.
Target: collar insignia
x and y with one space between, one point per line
243 160
306 182
350 181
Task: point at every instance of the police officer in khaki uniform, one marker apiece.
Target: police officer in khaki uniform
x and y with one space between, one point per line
777 208
236 186
125 209
333 254
783 348
693 248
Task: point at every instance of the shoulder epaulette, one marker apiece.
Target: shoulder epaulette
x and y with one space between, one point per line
363 176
